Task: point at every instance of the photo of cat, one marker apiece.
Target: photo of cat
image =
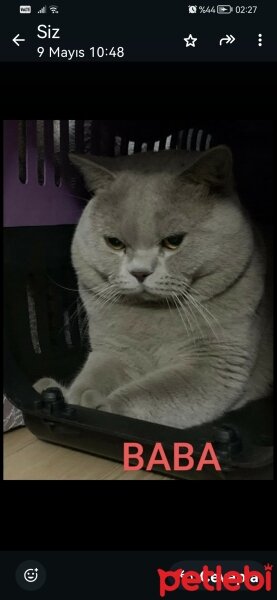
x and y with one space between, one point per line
173 276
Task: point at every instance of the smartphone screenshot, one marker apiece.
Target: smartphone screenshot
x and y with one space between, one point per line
138 251
157 574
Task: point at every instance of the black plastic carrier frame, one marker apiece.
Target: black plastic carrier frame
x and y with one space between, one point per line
44 333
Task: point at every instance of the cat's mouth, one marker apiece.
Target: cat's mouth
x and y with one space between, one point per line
139 291
143 292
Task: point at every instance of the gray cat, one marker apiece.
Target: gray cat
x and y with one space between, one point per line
172 275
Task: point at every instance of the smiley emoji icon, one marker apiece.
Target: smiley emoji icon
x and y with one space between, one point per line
31 575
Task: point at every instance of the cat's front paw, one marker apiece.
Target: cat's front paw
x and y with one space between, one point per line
116 404
92 399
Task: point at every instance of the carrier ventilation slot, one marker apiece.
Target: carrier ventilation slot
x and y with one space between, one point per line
64 316
53 306
82 321
191 140
22 171
33 319
40 152
54 139
67 332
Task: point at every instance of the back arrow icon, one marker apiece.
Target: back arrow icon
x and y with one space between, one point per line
17 39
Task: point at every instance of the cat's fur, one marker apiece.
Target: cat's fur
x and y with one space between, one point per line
193 341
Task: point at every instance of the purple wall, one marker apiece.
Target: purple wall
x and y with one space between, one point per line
31 203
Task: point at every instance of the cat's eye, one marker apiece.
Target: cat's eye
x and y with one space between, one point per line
173 241
115 243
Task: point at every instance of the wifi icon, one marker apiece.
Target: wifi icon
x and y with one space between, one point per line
53 9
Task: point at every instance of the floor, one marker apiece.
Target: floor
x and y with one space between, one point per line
26 457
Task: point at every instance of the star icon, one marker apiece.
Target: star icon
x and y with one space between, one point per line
190 41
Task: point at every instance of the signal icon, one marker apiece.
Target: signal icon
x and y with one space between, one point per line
43 10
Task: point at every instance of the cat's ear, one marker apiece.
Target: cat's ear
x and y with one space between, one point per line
96 176
213 168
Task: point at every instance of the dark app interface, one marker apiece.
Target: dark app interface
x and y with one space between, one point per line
141 575
160 31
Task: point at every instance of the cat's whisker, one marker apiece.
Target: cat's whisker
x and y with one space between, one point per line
103 286
185 312
72 317
206 310
102 290
85 200
116 298
103 293
204 317
174 296
76 314
189 306
84 328
200 310
186 307
168 304
81 315
101 296
62 286
105 299
109 297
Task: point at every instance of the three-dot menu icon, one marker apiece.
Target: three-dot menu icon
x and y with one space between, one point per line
260 39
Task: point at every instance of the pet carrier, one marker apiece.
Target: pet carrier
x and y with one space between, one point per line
44 333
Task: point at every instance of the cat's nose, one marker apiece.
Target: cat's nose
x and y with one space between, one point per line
141 275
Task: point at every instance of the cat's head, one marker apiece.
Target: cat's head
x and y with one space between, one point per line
157 222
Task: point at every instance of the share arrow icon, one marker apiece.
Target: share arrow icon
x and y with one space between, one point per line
229 39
